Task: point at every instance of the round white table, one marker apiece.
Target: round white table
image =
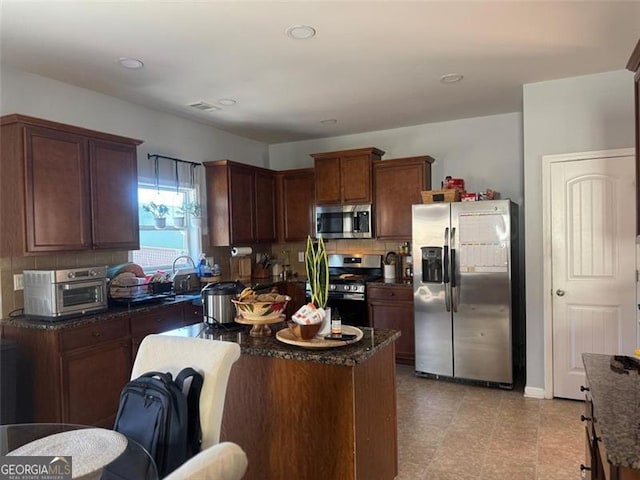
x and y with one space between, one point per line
90 453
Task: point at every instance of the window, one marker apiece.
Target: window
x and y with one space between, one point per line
160 246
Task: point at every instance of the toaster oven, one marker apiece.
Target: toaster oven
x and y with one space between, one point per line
60 294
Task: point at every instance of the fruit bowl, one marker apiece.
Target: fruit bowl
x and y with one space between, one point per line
304 332
262 310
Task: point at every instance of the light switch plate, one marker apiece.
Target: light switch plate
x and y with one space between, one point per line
18 283
301 257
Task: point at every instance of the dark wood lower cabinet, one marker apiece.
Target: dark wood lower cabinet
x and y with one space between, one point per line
92 379
296 291
391 306
75 374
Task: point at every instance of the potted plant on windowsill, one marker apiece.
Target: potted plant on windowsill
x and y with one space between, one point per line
159 212
194 209
179 217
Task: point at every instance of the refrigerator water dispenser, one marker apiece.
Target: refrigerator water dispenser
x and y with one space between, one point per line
431 264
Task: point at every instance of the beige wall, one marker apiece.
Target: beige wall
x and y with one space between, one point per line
11 300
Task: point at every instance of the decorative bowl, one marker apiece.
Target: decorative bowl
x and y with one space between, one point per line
261 310
304 332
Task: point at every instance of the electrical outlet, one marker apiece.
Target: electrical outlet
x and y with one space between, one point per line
301 257
18 283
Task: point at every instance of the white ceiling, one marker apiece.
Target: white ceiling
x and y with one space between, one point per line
371 66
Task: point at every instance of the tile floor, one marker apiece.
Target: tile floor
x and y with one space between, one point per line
451 431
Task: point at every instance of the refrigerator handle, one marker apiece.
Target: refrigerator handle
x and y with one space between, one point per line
454 286
445 273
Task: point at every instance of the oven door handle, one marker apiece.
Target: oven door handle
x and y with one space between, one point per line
77 285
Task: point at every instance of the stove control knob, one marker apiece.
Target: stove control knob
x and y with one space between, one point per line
332 287
347 287
71 275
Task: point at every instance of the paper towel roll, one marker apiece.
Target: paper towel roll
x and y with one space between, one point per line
241 251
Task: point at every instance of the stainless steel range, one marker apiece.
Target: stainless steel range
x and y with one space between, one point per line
348 275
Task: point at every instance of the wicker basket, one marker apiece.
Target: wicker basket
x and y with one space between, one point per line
437 196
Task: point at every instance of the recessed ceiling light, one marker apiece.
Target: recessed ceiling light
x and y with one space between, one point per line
329 121
131 63
451 78
227 101
300 32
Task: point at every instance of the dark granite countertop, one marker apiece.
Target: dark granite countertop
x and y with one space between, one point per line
372 341
616 404
113 312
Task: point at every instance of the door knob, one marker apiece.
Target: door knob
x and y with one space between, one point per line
560 293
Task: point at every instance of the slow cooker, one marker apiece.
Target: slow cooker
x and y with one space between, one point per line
217 307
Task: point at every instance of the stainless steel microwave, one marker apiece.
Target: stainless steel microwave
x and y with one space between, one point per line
344 221
59 294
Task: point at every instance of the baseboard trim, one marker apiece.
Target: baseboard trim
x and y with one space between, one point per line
534 392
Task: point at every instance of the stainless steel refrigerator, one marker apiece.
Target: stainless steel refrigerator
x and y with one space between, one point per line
464 257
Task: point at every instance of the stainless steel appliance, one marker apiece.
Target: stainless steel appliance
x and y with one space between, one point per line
348 275
464 271
217 307
344 221
59 294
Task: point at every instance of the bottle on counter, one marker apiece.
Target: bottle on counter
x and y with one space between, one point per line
203 269
336 323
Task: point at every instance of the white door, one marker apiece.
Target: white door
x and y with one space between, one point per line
593 264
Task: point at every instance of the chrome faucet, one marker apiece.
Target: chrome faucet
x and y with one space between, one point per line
173 267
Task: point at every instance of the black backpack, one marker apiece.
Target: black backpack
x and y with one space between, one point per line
156 413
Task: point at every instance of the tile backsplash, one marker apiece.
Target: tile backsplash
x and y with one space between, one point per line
11 300
361 246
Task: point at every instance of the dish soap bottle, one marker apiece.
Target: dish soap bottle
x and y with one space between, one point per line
203 269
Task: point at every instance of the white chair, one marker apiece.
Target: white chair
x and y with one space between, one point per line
213 359
223 461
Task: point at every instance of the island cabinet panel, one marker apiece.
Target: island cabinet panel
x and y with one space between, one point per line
241 202
295 204
391 306
309 420
345 177
65 188
398 184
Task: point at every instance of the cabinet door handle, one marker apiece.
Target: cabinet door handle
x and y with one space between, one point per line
583 467
96 334
583 418
584 389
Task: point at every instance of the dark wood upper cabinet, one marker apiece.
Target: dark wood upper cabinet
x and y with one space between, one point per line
57 191
241 203
344 177
265 205
397 185
114 195
65 188
634 66
295 204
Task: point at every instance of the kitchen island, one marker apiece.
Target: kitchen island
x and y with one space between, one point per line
311 414
612 416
